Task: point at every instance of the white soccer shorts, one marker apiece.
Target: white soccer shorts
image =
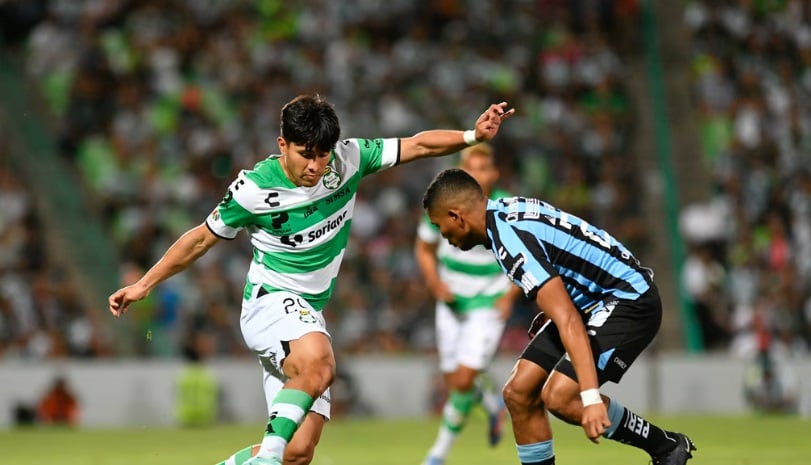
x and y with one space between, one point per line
470 339
268 325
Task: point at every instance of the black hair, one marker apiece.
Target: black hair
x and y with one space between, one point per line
310 120
450 183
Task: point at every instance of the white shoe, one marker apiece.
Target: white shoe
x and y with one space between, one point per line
262 461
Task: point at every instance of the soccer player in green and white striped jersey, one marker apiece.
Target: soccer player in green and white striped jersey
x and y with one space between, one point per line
297 208
473 300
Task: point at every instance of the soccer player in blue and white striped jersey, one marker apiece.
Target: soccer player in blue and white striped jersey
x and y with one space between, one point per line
600 309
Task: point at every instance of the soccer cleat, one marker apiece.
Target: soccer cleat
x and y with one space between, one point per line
433 460
679 455
262 461
495 421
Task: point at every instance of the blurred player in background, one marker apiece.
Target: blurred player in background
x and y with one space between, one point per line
297 207
473 301
600 309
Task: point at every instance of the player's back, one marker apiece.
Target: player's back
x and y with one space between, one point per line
593 265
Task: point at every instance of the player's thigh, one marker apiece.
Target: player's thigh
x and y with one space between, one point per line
479 338
269 323
545 349
619 337
310 349
447 327
524 385
618 332
272 321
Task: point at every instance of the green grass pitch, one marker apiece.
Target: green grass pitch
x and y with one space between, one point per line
721 440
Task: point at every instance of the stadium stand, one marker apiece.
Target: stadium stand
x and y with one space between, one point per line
160 103
750 269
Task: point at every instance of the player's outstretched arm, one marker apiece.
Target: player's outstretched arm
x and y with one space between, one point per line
188 248
438 142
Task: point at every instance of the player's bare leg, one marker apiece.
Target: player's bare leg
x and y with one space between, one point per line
461 399
522 394
310 367
301 449
561 395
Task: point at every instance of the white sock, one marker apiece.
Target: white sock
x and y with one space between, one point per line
491 401
444 440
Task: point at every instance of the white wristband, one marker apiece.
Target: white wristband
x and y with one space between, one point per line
591 397
470 137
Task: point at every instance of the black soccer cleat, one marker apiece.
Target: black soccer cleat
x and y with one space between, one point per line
679 455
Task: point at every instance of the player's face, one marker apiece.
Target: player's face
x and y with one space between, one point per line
452 227
482 168
303 167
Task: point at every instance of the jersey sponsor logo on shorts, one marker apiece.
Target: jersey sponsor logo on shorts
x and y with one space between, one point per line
306 317
331 179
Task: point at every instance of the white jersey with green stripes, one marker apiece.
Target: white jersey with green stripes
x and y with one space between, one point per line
299 234
474 276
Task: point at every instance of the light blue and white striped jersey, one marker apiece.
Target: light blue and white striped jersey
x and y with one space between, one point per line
535 241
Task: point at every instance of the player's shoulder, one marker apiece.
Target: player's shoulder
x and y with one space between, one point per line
358 144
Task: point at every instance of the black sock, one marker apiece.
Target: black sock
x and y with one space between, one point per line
638 432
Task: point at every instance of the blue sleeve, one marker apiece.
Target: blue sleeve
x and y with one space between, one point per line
523 258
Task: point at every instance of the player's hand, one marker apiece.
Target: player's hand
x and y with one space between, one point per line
488 123
504 305
121 299
595 421
441 292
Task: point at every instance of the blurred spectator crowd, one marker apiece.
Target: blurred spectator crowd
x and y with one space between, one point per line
749 269
160 104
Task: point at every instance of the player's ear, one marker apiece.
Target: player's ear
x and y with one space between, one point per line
456 215
282 145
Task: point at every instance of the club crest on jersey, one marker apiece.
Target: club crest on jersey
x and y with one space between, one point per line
331 179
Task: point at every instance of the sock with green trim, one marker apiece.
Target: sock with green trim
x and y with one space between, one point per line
286 413
454 416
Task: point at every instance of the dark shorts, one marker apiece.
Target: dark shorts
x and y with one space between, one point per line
619 331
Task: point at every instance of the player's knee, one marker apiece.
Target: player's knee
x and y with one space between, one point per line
518 399
319 377
463 381
324 373
319 373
